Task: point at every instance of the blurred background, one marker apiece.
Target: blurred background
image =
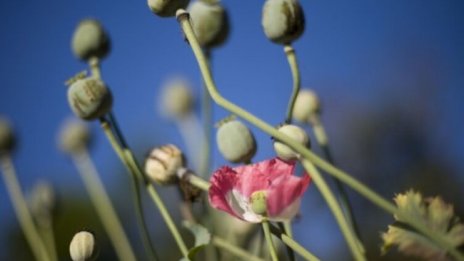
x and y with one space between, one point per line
390 75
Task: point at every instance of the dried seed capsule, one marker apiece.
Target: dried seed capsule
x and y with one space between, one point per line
298 134
283 20
89 98
177 98
210 22
7 139
90 40
74 136
162 164
83 247
306 105
235 142
167 8
42 203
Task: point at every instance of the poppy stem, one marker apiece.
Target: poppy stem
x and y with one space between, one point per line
103 205
376 199
291 58
356 249
207 119
270 244
26 222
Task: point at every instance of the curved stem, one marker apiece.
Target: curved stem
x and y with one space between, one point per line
270 244
30 231
103 205
291 57
335 208
183 18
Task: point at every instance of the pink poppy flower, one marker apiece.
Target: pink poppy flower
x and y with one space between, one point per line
231 190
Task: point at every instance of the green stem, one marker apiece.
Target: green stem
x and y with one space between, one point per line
49 238
207 111
94 64
183 18
286 226
335 208
237 251
291 57
141 223
30 231
270 244
103 205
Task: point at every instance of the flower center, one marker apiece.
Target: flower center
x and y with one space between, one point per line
258 202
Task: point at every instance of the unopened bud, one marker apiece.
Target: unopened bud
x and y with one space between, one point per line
235 142
83 247
296 133
177 99
7 138
162 164
306 105
89 98
74 136
90 40
167 8
283 20
210 22
258 202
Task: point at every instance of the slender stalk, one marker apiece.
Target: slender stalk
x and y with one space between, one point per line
270 244
286 226
94 64
291 58
191 130
103 205
336 210
143 230
293 244
183 18
237 251
49 239
207 111
38 247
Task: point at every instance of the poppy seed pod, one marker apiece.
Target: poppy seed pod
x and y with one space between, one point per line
166 8
298 134
283 20
210 22
177 99
90 40
306 105
235 142
162 164
7 139
74 136
89 98
83 247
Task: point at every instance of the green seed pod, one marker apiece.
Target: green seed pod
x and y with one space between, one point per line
177 99
210 22
166 8
42 203
83 247
235 142
258 202
298 134
90 40
7 138
306 105
283 20
163 163
89 98
73 136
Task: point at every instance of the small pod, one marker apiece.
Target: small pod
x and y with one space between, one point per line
177 99
162 164
298 134
283 20
90 40
89 98
235 142
167 8
306 105
210 22
83 247
7 138
73 136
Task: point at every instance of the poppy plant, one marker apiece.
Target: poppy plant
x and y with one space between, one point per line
267 189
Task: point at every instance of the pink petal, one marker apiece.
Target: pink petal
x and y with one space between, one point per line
222 183
271 168
284 192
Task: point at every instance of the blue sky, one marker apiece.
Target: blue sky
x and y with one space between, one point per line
358 55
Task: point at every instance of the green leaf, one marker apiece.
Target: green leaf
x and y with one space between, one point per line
202 238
